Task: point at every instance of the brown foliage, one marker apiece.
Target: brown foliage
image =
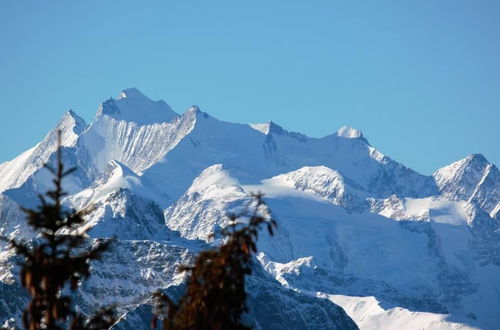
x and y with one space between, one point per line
215 297
57 259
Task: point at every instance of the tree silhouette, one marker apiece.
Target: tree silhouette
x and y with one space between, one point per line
59 258
215 297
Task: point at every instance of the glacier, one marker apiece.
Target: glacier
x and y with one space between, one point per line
362 241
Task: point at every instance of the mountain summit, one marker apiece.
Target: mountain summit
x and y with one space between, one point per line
349 132
133 106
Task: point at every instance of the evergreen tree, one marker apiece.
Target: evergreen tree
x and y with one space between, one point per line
58 258
215 297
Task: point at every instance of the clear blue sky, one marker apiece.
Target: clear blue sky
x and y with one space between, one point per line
421 79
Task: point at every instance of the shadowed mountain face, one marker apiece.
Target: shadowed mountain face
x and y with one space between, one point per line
391 247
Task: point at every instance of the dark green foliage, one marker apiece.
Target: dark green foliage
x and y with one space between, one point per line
57 259
215 297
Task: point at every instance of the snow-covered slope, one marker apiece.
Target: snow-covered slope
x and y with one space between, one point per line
210 197
369 315
394 248
424 266
323 182
253 155
15 172
133 130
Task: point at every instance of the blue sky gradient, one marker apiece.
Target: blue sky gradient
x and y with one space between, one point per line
421 79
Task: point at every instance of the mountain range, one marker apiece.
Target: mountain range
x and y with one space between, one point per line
362 242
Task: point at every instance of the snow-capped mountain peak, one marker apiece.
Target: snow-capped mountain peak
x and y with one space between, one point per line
261 127
133 106
15 172
271 127
323 182
471 165
194 112
473 179
197 213
213 176
71 126
116 177
353 222
194 108
131 93
349 133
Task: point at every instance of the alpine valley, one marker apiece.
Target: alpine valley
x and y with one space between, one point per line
362 241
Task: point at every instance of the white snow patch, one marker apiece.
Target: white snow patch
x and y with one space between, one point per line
261 127
279 186
349 132
369 315
215 175
440 210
